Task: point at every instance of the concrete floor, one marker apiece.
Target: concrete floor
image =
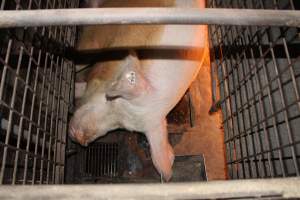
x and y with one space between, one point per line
207 136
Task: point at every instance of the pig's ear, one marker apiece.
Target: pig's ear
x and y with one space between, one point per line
131 83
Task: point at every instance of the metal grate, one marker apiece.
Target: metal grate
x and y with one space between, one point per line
35 95
259 79
100 160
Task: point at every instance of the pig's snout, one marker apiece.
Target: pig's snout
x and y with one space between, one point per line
77 135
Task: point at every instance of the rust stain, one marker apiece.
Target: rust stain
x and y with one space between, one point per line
207 137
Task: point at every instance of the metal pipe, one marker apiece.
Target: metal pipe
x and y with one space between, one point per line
252 189
93 16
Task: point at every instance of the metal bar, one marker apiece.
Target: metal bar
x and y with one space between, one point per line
104 159
98 161
10 118
25 175
101 160
271 104
39 121
51 118
261 109
94 16
248 75
287 122
237 146
58 131
237 67
264 87
266 134
241 66
237 101
48 96
22 118
252 189
111 146
223 92
93 160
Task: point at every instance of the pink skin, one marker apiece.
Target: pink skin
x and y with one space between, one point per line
97 116
142 106
161 151
83 128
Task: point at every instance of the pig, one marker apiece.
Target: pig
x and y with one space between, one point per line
136 93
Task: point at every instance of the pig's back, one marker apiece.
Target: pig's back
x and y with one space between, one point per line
169 76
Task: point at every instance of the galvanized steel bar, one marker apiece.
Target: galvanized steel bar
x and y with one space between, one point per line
252 189
93 16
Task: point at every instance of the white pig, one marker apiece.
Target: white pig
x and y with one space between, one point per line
133 93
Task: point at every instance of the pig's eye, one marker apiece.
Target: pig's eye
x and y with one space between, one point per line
111 98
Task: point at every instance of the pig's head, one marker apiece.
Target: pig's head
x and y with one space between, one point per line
109 85
91 119
107 82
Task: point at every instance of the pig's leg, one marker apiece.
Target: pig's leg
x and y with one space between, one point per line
161 151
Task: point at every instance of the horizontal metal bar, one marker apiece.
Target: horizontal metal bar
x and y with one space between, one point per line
285 188
93 16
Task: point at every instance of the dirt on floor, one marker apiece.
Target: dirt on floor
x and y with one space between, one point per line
207 135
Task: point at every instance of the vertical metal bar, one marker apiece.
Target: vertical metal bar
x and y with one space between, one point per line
57 123
110 159
115 160
92 160
104 159
2 5
37 141
22 114
4 72
101 159
223 82
31 119
10 117
61 117
86 163
256 115
44 132
248 104
107 159
95 160
229 104
292 72
235 66
52 116
66 103
262 109
279 81
54 110
290 137
272 111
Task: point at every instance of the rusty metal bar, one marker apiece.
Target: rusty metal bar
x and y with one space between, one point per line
93 16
